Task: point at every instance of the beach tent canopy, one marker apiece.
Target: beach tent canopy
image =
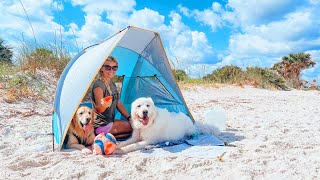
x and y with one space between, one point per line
143 64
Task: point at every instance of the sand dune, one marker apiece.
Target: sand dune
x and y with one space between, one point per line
276 134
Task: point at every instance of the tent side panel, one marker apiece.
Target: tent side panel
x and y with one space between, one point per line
78 78
56 121
154 53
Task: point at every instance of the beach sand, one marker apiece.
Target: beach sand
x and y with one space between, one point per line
276 136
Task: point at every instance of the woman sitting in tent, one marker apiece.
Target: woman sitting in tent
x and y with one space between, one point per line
102 88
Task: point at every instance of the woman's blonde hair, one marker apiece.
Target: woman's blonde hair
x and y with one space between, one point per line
112 59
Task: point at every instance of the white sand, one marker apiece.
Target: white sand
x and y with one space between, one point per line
276 133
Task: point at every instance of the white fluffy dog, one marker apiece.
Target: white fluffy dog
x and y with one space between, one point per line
153 125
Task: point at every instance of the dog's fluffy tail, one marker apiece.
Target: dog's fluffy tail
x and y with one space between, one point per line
214 122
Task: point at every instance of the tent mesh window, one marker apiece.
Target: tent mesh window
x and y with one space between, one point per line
148 87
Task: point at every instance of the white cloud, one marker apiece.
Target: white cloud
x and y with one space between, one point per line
98 7
313 73
14 18
262 31
248 61
293 27
102 18
96 28
57 6
185 45
93 31
146 18
314 2
295 32
185 11
216 7
262 11
210 17
253 45
267 28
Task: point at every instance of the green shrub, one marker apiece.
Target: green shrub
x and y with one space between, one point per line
6 69
18 81
42 58
5 53
180 75
226 74
265 78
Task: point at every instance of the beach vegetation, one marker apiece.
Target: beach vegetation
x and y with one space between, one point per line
5 53
35 73
32 75
180 75
226 75
291 66
254 76
43 58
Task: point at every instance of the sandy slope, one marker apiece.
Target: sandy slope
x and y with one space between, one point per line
276 134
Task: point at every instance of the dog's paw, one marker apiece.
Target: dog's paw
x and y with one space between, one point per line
86 151
148 147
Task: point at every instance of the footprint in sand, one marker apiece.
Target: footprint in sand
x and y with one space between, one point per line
5 131
3 145
141 166
104 175
24 164
78 175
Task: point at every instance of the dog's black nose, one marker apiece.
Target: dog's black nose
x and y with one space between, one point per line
88 119
145 113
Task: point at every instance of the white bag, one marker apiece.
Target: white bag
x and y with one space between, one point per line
216 118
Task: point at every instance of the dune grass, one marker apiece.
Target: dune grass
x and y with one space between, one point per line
29 78
255 76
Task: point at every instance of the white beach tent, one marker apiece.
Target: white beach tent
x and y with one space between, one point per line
143 64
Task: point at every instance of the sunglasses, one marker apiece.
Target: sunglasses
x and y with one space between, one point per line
107 67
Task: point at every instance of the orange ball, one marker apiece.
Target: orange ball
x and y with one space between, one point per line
104 144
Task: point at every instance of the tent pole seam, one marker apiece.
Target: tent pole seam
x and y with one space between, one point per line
164 88
175 78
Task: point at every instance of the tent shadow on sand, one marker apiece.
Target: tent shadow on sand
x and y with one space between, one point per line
172 149
230 137
206 143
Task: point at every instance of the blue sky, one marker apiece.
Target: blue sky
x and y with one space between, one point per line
199 36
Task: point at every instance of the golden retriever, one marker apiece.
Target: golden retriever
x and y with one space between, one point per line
81 132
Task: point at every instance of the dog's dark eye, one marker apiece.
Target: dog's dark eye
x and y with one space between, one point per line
81 113
89 112
148 105
139 105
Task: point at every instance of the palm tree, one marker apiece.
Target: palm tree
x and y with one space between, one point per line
291 67
5 53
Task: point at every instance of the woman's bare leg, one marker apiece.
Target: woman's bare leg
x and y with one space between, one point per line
121 129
